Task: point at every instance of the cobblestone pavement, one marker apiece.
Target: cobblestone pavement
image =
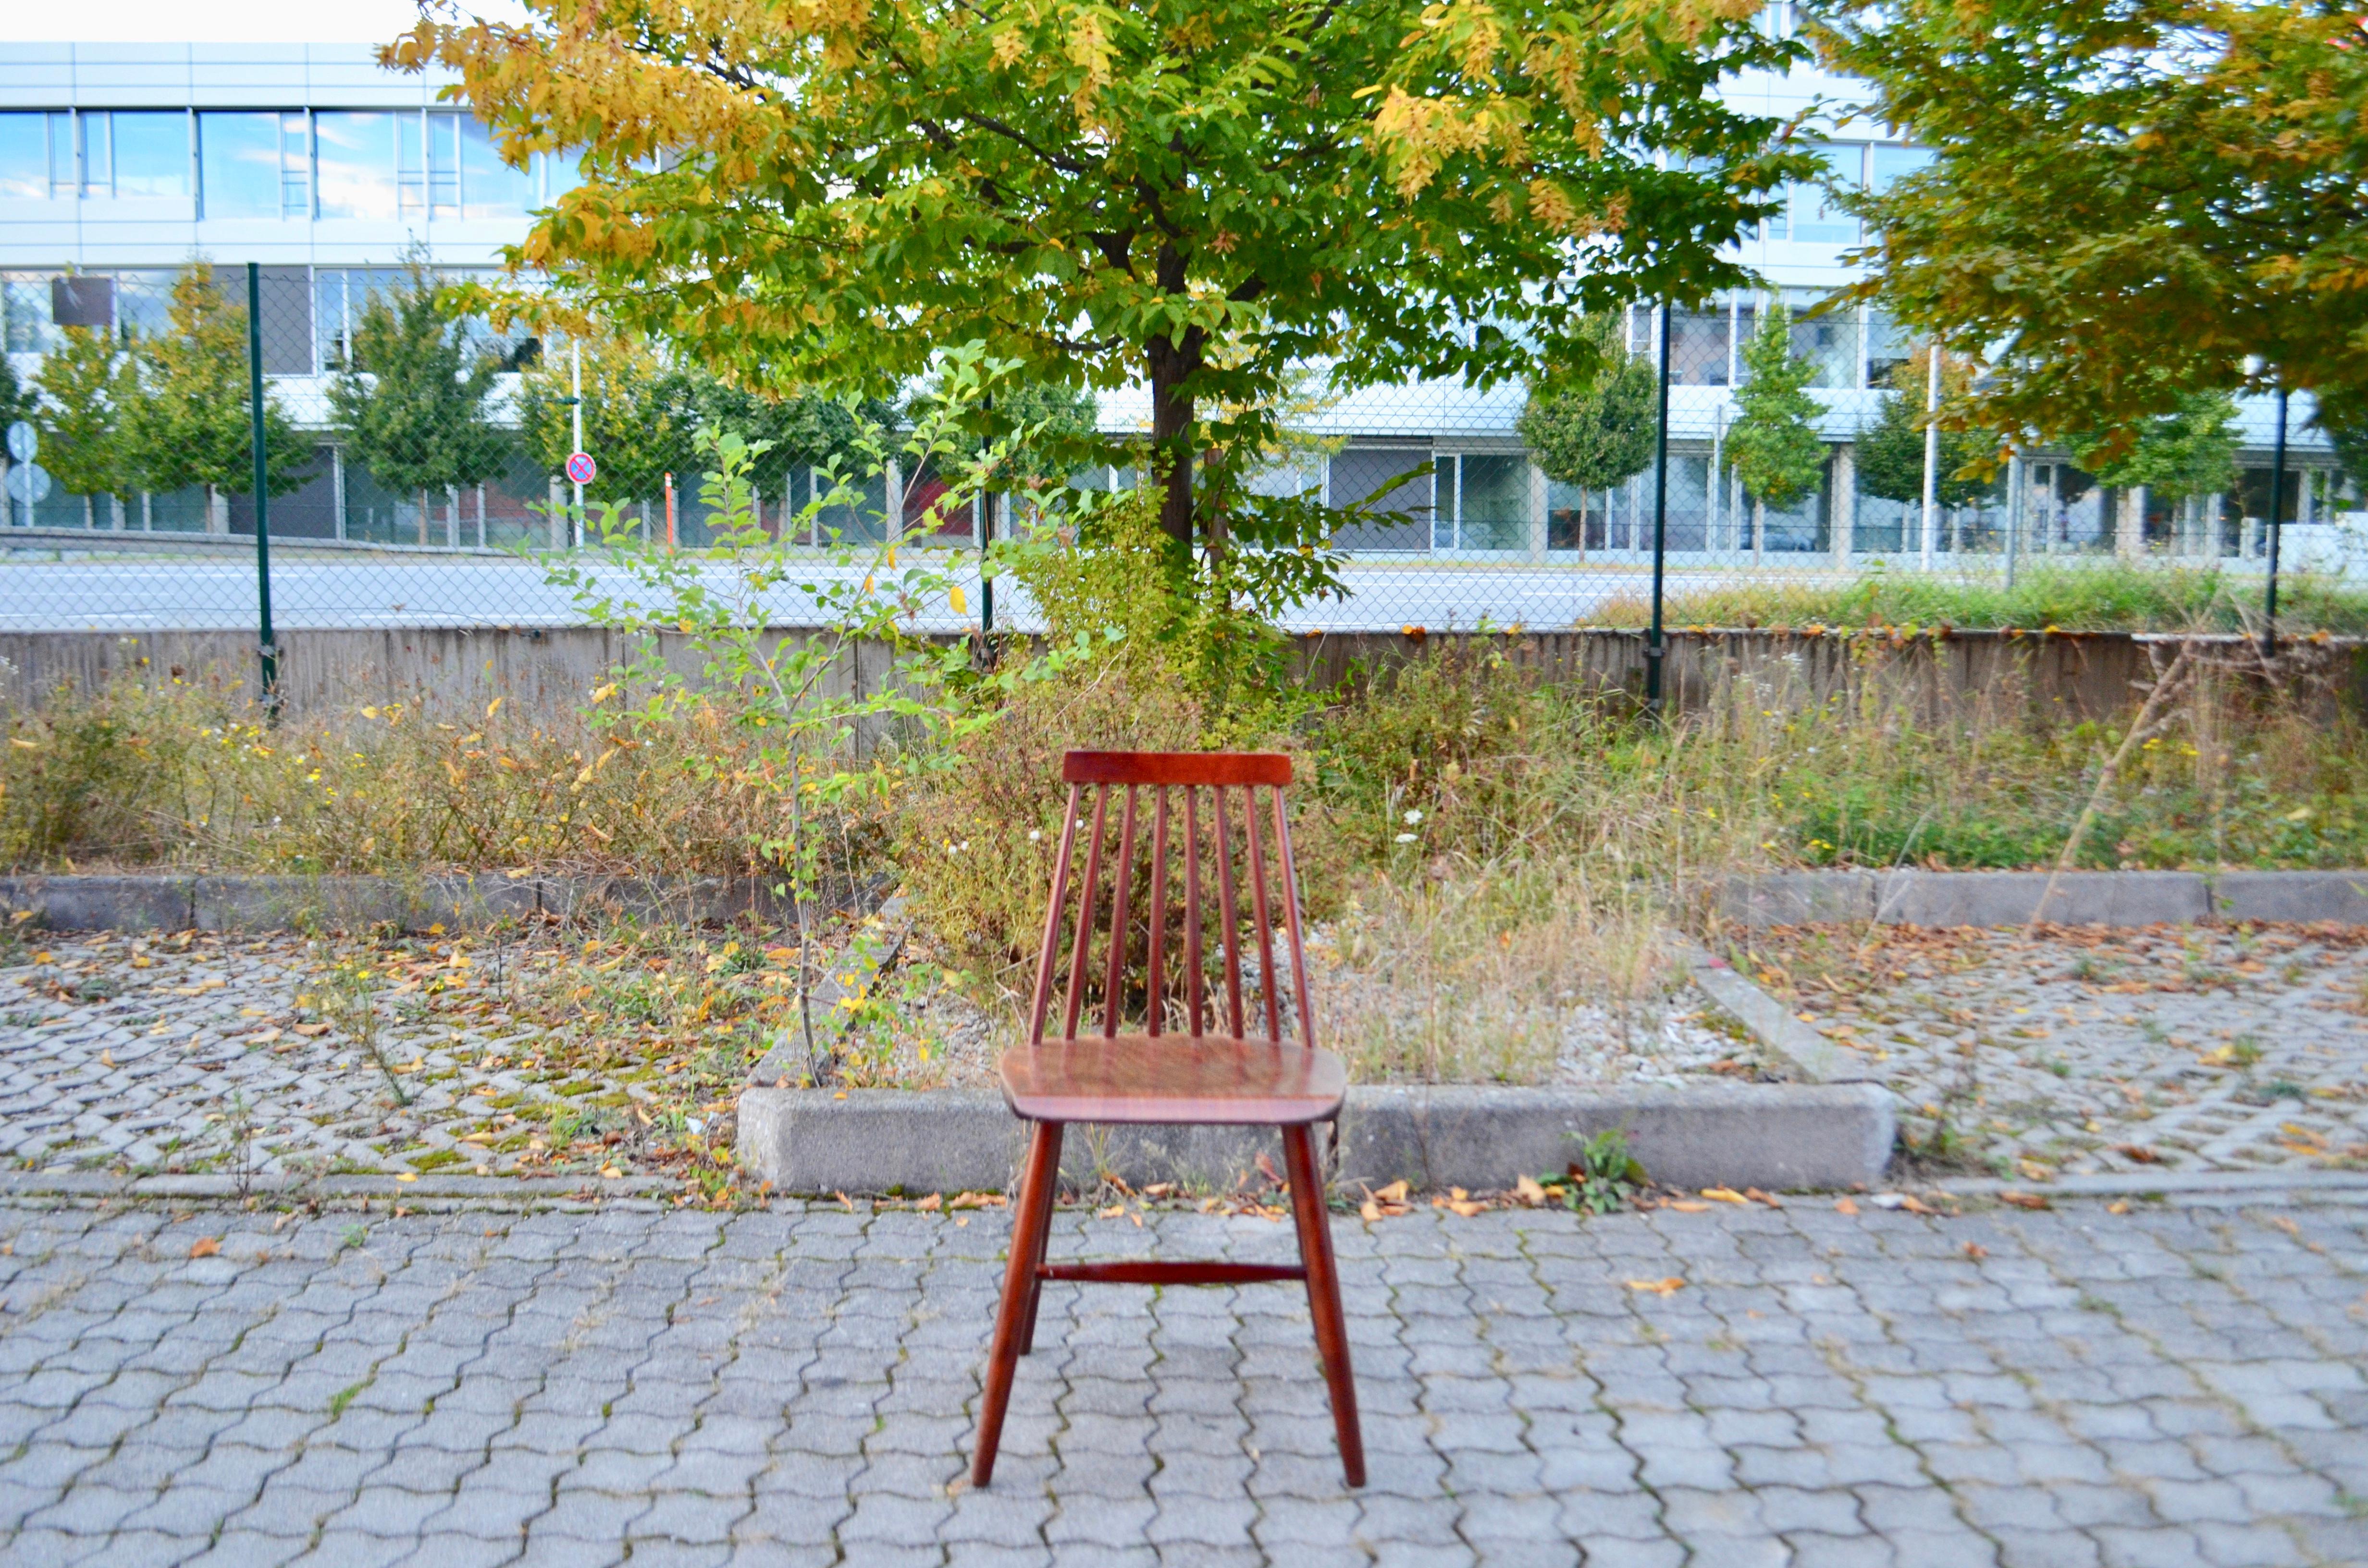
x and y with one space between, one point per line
282 1055
2087 1050
2167 1386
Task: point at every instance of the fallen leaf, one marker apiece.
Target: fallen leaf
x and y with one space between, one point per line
1725 1195
1915 1206
2120 1206
1465 1208
204 1246
1684 1207
2139 1152
960 1220
1393 1193
1769 1198
1844 1206
1371 1211
263 1037
611 1172
406 1176
311 1031
1112 1213
2025 1200
1135 1215
1975 1251
1528 1190
932 1203
1266 1168
107 1058
1659 1287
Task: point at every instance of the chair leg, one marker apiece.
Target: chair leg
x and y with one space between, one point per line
1323 1296
1043 1237
1029 1218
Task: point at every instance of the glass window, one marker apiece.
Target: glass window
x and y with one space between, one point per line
1812 217
1699 349
238 164
295 165
1828 342
1887 347
24 157
444 165
329 318
410 161
1493 502
152 154
25 313
355 163
489 187
98 168
1359 472
62 178
144 303
1887 164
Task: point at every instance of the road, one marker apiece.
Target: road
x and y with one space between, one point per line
215 589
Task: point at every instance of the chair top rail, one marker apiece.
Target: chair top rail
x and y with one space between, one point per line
1214 769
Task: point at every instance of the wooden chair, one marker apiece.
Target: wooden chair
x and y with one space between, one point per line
1232 1077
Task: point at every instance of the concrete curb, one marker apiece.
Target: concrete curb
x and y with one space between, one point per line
1769 1135
339 1188
1810 1054
458 901
2137 1184
2013 898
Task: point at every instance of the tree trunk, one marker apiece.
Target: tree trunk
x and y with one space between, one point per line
1171 361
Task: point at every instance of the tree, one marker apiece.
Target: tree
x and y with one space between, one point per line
1597 433
411 405
1773 442
190 423
639 417
1891 454
2132 195
1195 195
84 390
2184 455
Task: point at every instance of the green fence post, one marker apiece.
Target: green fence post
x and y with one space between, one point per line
1655 653
267 647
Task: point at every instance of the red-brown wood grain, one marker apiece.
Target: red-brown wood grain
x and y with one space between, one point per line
1173 1080
1203 767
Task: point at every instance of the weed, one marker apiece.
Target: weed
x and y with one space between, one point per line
344 1397
1603 1176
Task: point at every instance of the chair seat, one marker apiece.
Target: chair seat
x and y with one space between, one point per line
1213 1080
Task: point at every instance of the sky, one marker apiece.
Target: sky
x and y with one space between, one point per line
224 21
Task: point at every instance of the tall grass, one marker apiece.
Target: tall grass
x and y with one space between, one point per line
143 772
2105 596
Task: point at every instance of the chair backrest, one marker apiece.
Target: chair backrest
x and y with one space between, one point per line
1200 802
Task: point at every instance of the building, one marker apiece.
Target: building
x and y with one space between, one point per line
118 164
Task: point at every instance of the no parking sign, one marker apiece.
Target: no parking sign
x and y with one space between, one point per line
581 468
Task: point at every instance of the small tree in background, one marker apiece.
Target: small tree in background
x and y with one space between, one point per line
1599 433
1773 442
412 406
2184 455
189 425
1891 452
83 394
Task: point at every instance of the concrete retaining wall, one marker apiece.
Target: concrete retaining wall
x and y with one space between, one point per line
548 671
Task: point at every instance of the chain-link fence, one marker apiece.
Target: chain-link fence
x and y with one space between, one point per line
1796 471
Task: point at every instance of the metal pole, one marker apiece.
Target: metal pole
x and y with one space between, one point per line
2017 480
1932 542
268 648
1654 652
985 542
576 413
2277 522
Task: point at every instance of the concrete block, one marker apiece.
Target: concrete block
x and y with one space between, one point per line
1813 1058
689 900
278 904
1771 1135
2012 898
2300 896
1798 898
104 903
462 901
